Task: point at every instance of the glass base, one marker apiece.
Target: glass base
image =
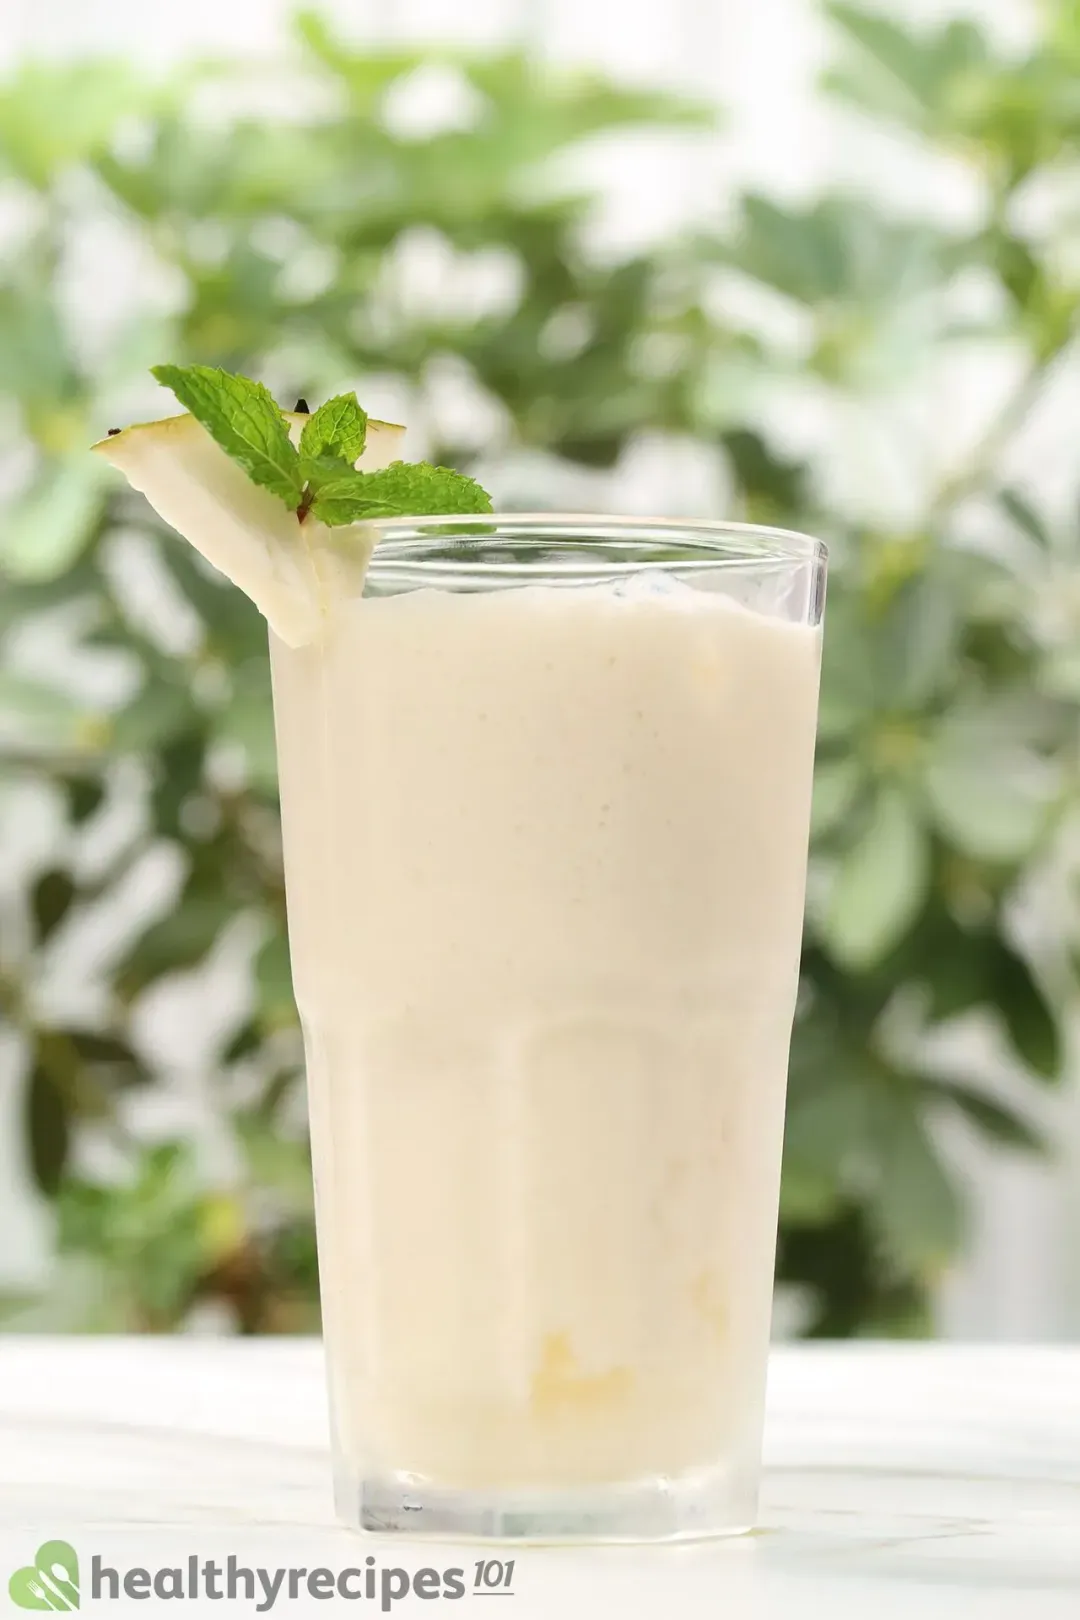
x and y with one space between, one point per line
709 1502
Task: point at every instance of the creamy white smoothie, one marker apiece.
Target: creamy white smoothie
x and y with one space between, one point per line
545 858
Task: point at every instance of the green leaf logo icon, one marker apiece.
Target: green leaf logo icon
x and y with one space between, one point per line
51 1581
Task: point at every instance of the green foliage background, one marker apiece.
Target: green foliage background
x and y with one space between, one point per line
947 765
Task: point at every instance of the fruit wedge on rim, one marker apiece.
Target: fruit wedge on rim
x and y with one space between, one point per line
292 571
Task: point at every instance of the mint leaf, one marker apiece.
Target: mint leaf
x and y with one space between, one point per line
338 428
404 489
342 501
318 471
244 420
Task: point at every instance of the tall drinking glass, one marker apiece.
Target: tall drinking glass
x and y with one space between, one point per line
546 793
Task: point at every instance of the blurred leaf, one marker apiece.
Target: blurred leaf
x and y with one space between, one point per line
1063 31
855 1288
294 1258
992 1118
952 966
529 112
35 362
160 713
799 253
847 694
1028 1016
248 721
902 74
825 1131
1019 269
53 115
235 628
837 254
536 112
179 777
188 171
985 807
1059 676
964 968
246 1041
273 975
836 789
109 1057
276 1162
222 1227
178 941
1024 515
1014 112
83 1212
85 795
915 1209
48 1129
988 797
38 717
51 899
233 306
368 74
152 1231
763 475
50 526
916 641
880 884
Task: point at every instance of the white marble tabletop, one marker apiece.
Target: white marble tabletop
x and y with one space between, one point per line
913 1481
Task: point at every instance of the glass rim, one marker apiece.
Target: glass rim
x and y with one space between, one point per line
429 542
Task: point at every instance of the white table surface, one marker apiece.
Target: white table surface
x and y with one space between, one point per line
915 1481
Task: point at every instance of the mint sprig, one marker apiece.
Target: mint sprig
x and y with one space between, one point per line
318 478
